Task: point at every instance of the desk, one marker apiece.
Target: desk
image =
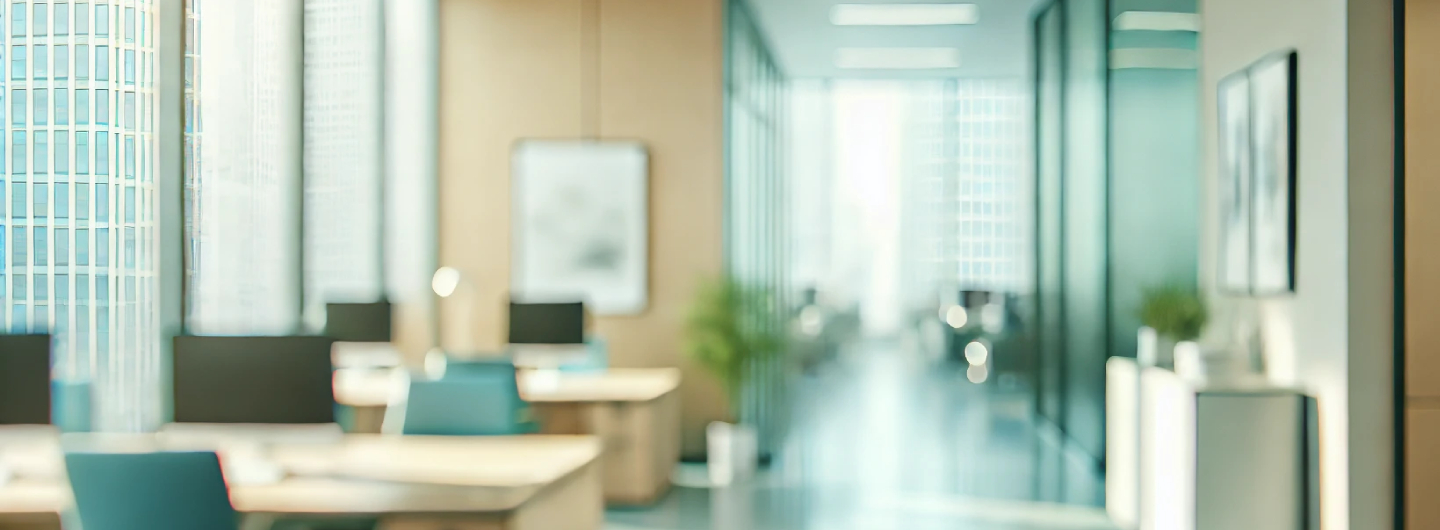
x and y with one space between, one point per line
635 411
408 483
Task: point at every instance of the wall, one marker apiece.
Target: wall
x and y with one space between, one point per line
1332 336
627 69
1422 257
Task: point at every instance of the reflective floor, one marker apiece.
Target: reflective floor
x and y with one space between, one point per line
886 439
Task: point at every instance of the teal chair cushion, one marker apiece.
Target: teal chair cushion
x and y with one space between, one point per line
150 491
465 406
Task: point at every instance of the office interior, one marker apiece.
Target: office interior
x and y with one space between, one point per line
675 264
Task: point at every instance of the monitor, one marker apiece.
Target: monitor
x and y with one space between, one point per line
367 322
25 379
253 380
548 323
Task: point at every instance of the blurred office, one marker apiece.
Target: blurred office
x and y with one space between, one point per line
676 264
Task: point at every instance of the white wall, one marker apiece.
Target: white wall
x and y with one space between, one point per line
1332 337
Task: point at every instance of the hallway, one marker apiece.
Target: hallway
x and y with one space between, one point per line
888 439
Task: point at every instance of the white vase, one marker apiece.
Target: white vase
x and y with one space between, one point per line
731 452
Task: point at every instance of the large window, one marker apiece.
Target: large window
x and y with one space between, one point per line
60 225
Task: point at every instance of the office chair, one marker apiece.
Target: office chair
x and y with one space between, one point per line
70 405
150 491
466 406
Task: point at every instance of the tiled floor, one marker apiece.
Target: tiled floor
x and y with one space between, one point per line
887 440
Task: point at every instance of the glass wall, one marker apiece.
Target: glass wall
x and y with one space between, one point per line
77 194
756 190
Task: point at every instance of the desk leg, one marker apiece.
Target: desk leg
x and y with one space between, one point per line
574 503
641 441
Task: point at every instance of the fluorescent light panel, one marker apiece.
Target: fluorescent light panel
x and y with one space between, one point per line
1156 21
897 58
904 14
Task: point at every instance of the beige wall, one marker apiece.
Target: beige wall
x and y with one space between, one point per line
1422 260
1332 338
626 69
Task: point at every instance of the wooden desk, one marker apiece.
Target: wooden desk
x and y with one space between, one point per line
635 411
410 482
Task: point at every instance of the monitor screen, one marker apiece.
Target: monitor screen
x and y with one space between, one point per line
278 380
24 379
358 322
552 323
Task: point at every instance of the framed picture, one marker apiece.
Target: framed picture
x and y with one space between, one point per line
580 226
1257 151
1234 189
1272 139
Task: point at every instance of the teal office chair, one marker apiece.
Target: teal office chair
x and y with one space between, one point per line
466 406
499 367
70 405
150 491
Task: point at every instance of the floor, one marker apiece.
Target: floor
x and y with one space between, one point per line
887 439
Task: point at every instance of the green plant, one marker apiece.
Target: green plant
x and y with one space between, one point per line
730 326
1175 312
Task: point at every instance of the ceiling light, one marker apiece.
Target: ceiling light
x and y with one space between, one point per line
897 58
904 14
1156 21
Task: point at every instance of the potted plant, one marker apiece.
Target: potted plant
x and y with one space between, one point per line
732 326
1175 313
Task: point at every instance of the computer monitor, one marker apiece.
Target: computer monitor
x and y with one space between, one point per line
253 380
358 322
25 379
547 323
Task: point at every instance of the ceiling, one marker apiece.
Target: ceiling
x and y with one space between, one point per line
804 42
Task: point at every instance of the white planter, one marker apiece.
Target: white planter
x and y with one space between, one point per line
731 452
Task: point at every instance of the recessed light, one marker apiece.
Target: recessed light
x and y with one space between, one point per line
1156 21
897 58
904 14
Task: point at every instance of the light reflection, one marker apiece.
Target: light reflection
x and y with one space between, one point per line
976 353
977 373
956 317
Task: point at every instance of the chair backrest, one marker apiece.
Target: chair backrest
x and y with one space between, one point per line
150 491
499 367
463 406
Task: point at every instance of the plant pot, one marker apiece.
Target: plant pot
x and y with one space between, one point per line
731 452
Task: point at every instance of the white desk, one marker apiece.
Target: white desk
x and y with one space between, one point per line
635 411
410 482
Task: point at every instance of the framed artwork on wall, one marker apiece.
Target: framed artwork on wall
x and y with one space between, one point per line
1256 195
580 224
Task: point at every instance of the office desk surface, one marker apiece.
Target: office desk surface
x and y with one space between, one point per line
377 388
363 474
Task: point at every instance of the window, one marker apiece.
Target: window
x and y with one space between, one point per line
62 198
102 107
18 108
82 252
19 200
102 203
42 61
129 24
62 153
41 292
82 106
102 63
130 204
82 202
17 153
41 201
129 260
62 106
102 154
41 160
82 61
42 250
17 253
17 63
130 158
129 111
42 107
42 20
62 61
102 20
82 152
62 19
129 67
17 20
102 259
82 19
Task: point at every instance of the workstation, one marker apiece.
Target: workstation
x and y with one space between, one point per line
308 429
